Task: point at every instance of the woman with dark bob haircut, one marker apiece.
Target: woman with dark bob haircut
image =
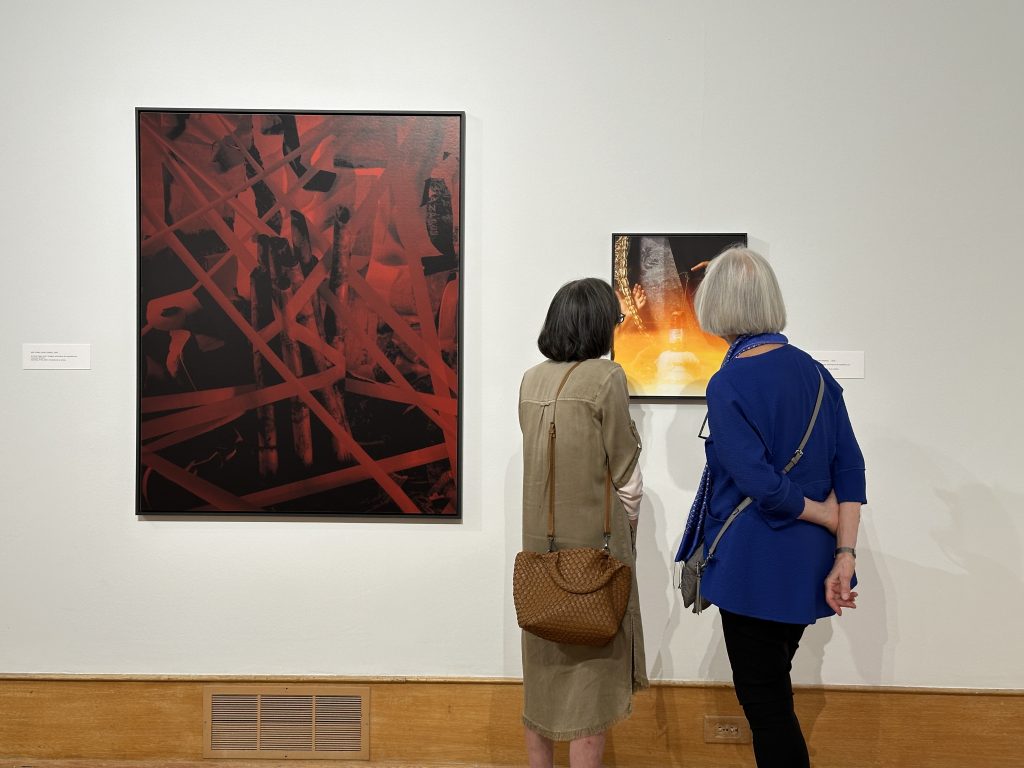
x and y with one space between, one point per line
787 559
575 693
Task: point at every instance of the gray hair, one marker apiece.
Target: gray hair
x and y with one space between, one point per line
740 295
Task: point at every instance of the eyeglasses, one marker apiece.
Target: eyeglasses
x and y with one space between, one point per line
700 432
621 320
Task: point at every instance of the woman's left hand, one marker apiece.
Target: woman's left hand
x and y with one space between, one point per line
838 594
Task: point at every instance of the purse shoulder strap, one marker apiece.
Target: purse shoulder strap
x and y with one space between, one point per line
551 474
797 455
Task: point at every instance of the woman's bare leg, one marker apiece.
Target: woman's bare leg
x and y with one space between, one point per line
586 752
539 750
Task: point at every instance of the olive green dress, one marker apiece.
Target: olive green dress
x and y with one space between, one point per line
572 691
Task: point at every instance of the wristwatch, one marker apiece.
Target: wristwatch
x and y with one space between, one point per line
849 550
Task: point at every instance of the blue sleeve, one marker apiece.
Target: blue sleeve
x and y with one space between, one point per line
848 464
742 452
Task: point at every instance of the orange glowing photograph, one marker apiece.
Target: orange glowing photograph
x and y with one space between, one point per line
665 354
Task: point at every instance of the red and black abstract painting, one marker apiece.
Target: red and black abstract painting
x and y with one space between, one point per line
299 312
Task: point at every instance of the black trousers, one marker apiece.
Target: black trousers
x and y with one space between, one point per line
761 654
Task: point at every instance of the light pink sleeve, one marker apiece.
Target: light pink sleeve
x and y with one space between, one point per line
631 493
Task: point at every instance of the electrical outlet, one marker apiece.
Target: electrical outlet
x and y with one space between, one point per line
726 729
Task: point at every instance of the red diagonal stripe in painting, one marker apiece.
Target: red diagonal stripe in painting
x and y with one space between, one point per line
234 407
317 209
314 213
181 400
340 478
423 401
437 366
441 376
322 210
388 484
151 243
187 434
398 325
283 205
365 209
284 198
315 342
439 371
182 166
413 396
428 331
448 425
218 497
406 198
378 354
431 406
213 272
212 408
318 238
180 171
310 283
432 359
258 224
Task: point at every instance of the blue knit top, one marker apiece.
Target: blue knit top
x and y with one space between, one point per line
770 565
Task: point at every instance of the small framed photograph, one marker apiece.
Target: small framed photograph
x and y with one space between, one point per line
660 345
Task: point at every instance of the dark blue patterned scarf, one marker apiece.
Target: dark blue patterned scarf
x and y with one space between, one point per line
693 533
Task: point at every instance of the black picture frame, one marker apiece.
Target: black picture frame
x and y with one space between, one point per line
667 358
300 313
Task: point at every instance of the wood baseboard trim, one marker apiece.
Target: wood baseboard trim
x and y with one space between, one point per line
365 679
158 719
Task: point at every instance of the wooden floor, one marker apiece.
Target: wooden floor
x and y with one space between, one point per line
7 763
71 723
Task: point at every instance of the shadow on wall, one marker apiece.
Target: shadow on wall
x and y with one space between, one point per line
977 574
971 582
655 568
664 515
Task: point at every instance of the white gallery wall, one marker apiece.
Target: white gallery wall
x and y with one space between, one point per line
872 150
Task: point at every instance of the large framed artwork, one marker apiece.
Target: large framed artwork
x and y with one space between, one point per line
299 312
665 354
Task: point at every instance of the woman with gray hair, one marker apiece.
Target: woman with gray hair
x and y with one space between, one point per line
788 558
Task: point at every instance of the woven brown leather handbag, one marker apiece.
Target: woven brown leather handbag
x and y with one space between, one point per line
576 596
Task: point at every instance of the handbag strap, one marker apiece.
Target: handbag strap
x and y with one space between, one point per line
551 475
797 455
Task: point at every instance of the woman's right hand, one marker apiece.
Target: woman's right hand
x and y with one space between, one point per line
838 594
824 513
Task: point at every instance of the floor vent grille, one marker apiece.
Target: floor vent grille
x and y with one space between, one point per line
293 722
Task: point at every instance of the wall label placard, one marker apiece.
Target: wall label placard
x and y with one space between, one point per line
54 357
842 365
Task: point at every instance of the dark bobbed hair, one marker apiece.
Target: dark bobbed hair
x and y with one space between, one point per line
580 321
